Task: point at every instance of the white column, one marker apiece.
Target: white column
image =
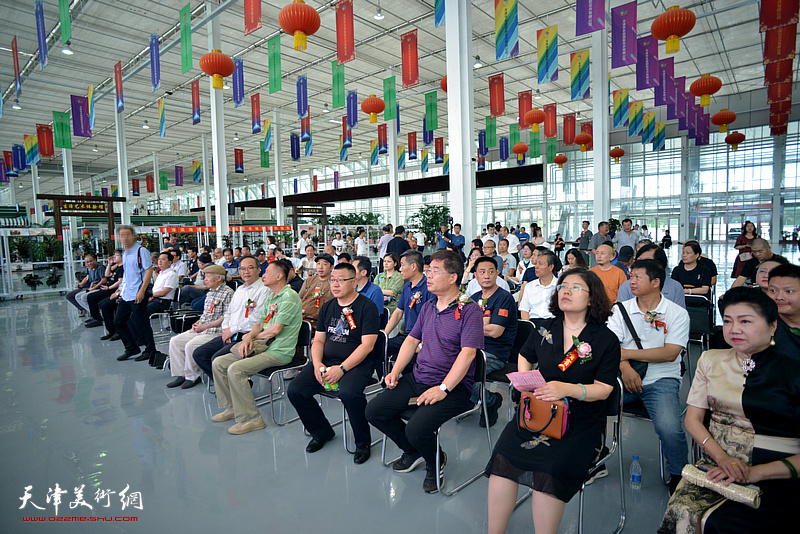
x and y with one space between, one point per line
12 192
778 170
206 184
276 140
460 111
394 185
683 217
69 185
122 168
600 105
38 217
218 138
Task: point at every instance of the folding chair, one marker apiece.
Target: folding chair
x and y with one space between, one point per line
636 410
701 319
524 330
480 376
384 318
165 332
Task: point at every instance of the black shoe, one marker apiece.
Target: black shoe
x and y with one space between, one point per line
492 411
191 383
107 337
177 382
429 484
408 462
126 356
143 356
92 323
115 337
674 480
158 360
316 444
362 455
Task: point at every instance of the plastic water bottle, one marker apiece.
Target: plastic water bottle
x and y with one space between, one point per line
636 474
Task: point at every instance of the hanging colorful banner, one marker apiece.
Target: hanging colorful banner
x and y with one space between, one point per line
536 145
579 74
424 162
547 54
118 86
337 77
114 191
482 148
497 99
274 63
41 34
18 157
352 109
31 150
294 144
302 96
623 35
446 165
135 187
777 13
196 172
410 55
513 134
309 147
186 38
263 194
90 97
569 129
163 180
80 116
155 63
525 102
62 130
305 129
264 156
401 158
431 112
255 112
779 44
439 150
659 137
252 16
196 101
4 174
412 146
491 132
427 135
238 160
373 152
648 126
383 139
65 19
646 63
342 151
150 183
620 108
346 135
779 92
238 82
438 10
503 148
481 163
390 98
8 160
15 58
44 136
345 32
267 134
162 119
179 176
550 118
590 16
506 29
636 116
664 92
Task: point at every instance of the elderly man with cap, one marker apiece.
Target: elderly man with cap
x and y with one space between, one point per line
181 347
316 290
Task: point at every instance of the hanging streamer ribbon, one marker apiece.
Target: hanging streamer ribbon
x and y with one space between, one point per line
412 146
383 139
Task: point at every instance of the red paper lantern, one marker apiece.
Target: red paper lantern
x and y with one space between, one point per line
561 159
86 232
443 83
616 153
299 19
706 86
671 25
218 66
583 139
520 148
723 119
373 105
535 117
735 139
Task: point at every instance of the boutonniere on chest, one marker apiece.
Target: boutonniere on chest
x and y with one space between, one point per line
652 318
251 304
462 300
582 352
213 304
317 296
347 314
484 303
416 298
272 309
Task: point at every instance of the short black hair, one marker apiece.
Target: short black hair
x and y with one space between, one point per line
400 230
785 271
552 259
755 297
248 257
166 253
504 239
457 224
346 267
694 245
659 255
426 260
303 232
653 269
345 256
227 249
452 262
282 265
205 257
364 264
601 223
484 259
626 220
413 257
310 245
238 248
190 249
541 248
490 225
90 255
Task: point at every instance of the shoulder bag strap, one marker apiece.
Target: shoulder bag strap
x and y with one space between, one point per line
629 324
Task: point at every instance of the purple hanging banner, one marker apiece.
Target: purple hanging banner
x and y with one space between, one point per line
238 82
103 191
590 16
665 91
302 96
3 178
646 63
155 63
623 35
691 119
178 175
427 135
336 179
352 109
41 34
674 110
294 145
80 116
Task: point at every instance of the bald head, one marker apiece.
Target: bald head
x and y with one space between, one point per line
603 254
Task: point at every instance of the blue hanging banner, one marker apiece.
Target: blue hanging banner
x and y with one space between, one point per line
302 96
155 63
294 143
238 82
397 119
41 34
503 148
295 184
18 152
352 109
482 148
427 135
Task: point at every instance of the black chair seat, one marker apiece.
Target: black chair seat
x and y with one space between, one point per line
500 374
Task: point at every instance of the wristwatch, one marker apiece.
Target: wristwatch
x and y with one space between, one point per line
344 371
443 387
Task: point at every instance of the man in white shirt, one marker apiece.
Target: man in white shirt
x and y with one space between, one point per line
163 294
491 233
474 286
663 328
337 243
513 241
384 242
361 243
421 238
178 266
302 242
627 236
219 256
509 266
535 300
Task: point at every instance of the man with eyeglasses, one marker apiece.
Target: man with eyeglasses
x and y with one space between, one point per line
489 247
346 334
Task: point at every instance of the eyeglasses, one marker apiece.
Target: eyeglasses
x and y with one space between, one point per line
576 289
338 281
248 268
437 272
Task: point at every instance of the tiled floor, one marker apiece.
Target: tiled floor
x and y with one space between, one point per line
70 414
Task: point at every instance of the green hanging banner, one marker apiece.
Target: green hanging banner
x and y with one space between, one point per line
264 157
491 131
186 38
536 148
274 46
338 84
164 180
552 149
431 111
513 134
390 98
66 21
62 135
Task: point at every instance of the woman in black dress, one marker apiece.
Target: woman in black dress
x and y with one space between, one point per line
555 469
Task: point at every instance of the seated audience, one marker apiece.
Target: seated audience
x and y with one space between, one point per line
526 262
93 280
672 289
199 288
695 278
612 277
390 281
761 252
509 266
535 301
178 266
230 265
193 269
488 249
706 262
113 279
415 293
308 265
762 273
316 289
784 289
364 286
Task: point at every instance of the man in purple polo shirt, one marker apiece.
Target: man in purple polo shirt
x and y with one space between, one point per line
451 331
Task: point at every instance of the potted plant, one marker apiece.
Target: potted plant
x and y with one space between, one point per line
32 280
22 245
50 245
53 278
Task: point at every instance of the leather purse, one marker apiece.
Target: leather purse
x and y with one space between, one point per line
542 417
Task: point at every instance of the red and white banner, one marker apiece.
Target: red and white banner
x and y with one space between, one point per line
777 13
569 129
779 44
252 16
586 127
408 42
525 99
345 36
550 124
497 98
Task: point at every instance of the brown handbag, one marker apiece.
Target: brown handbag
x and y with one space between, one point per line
548 418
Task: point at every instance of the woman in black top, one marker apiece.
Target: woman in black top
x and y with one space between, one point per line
695 278
556 469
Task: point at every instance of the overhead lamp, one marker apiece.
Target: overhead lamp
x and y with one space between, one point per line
145 126
334 121
66 50
538 95
477 63
236 137
21 186
16 105
94 149
325 109
378 15
225 85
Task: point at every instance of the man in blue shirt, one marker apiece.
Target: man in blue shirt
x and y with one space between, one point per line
442 237
522 236
363 284
457 239
132 308
415 294
672 289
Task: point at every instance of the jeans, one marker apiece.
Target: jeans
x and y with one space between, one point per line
664 407
199 303
493 363
189 293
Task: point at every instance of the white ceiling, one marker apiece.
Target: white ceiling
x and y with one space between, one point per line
726 44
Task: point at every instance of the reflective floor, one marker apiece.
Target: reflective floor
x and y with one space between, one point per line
71 415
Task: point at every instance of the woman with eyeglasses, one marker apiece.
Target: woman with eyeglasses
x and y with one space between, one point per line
556 468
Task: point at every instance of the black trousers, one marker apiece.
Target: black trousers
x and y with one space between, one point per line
393 345
145 337
108 308
189 293
131 322
419 434
205 354
94 299
304 386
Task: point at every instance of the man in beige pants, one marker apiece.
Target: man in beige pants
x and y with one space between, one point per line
271 343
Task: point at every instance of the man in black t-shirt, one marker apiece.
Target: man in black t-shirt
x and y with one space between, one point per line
398 244
761 253
347 329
